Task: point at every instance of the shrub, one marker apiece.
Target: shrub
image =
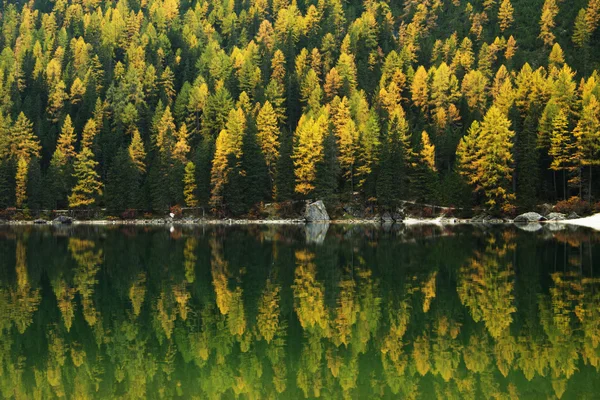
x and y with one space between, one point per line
129 214
176 211
574 204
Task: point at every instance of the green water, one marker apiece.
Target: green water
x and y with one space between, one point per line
291 312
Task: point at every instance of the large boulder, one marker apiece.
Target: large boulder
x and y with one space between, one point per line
316 212
556 217
386 218
40 221
62 219
530 217
573 215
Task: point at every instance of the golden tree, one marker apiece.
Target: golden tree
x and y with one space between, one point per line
88 186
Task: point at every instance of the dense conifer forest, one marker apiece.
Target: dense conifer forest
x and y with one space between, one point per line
229 104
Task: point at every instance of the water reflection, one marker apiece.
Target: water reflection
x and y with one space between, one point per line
284 312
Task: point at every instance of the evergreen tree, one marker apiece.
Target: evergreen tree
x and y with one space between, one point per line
561 147
505 15
88 186
189 184
308 150
393 178
485 159
268 138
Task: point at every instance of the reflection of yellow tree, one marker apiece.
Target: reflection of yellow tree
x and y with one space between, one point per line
309 294
421 354
428 290
88 264
369 312
182 296
24 300
65 296
229 302
486 286
190 258
446 349
268 312
345 312
137 293
476 353
557 315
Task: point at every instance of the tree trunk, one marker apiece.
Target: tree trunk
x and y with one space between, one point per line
555 188
590 188
565 184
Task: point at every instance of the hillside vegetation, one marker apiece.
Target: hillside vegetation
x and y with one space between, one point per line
146 104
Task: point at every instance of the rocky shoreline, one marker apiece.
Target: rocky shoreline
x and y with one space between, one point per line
316 213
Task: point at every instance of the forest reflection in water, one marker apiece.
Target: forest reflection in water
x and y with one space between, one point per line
292 312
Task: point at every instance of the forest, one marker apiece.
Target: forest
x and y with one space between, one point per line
231 104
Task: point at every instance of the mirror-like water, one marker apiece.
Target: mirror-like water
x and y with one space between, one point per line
291 312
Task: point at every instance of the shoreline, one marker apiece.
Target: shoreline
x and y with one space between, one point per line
592 222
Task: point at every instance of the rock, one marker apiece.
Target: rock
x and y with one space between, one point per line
556 217
573 215
545 208
386 218
62 219
316 212
40 221
398 216
529 217
480 218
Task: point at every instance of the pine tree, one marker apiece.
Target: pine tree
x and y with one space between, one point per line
181 148
66 140
527 161
136 151
89 133
419 89
485 159
23 143
308 150
505 15
425 184
21 180
268 138
587 139
393 178
547 22
88 186
189 184
561 147
368 153
347 140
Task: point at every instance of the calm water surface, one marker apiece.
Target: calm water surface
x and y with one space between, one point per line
293 312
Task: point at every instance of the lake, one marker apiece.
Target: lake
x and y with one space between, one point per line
267 312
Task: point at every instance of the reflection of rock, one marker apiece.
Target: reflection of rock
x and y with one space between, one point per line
555 227
530 227
316 232
316 212
556 217
530 217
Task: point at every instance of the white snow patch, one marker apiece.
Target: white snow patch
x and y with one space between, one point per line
589 222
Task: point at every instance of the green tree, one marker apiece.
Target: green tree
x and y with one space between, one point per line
486 160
